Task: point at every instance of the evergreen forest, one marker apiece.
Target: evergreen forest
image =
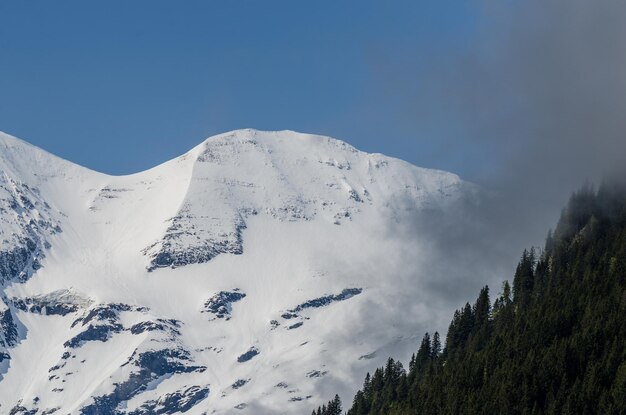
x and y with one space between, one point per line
551 342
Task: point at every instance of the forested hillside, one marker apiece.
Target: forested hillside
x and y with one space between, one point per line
553 342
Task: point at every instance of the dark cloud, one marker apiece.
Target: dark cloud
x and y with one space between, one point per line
552 104
539 97
537 101
541 89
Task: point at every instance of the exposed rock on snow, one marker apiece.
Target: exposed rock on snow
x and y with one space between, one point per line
327 299
60 302
172 403
252 352
221 303
129 281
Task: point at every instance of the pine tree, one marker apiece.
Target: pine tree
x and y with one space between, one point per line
524 279
482 308
435 349
334 406
424 354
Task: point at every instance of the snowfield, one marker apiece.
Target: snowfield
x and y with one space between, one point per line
259 273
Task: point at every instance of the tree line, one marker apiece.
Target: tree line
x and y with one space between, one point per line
552 342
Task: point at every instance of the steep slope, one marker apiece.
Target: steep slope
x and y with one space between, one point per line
228 280
553 343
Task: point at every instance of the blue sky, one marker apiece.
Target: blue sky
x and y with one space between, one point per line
121 86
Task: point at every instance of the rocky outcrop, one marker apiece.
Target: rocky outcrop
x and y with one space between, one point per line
26 221
221 304
148 366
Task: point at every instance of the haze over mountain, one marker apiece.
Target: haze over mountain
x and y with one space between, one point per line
228 280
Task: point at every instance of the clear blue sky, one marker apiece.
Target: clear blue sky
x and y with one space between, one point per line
120 86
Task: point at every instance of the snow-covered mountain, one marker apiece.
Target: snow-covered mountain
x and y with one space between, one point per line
258 273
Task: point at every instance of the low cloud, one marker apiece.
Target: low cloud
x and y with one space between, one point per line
539 95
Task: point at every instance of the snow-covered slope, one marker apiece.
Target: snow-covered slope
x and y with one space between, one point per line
257 273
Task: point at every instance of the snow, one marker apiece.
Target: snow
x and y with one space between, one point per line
284 217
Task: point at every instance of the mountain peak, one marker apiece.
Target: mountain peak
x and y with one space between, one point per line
27 161
233 257
12 144
278 136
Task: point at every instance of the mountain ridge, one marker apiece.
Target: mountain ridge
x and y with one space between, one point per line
9 140
227 279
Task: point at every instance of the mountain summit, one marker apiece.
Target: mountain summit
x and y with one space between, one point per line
228 280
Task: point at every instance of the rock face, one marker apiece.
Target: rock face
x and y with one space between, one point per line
251 275
61 302
8 329
26 222
220 304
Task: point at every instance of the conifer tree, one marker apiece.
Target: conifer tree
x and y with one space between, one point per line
436 346
482 308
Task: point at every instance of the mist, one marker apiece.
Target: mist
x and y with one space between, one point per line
536 104
539 95
541 90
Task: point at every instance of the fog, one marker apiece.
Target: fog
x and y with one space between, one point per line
540 92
